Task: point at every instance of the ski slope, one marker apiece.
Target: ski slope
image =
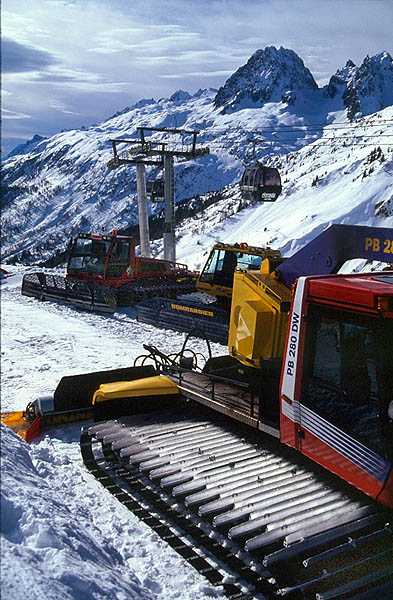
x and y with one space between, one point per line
63 536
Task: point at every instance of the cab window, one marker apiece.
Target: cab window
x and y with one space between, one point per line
207 275
346 375
221 266
248 261
89 255
119 259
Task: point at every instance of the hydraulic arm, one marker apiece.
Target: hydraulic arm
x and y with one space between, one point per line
333 247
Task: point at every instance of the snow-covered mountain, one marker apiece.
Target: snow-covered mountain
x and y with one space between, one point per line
26 147
329 142
338 178
369 88
270 75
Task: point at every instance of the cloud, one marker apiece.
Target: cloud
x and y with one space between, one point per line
60 106
147 40
62 78
11 114
90 58
198 74
21 58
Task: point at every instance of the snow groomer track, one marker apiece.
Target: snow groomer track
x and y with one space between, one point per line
241 510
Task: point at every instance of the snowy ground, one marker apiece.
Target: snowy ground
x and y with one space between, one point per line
63 537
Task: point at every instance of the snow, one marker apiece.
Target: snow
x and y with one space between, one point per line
62 535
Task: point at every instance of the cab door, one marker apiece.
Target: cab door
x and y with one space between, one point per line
343 416
119 260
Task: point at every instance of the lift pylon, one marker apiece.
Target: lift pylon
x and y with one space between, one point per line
140 153
142 210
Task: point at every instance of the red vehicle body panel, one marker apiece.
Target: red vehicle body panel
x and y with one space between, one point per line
355 290
305 429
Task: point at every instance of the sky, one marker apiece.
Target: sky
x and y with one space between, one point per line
69 63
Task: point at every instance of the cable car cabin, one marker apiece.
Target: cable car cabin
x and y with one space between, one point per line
337 378
260 183
110 260
216 277
155 190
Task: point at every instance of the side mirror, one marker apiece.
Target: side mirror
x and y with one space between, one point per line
390 410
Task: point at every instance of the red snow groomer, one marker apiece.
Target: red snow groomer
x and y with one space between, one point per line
103 271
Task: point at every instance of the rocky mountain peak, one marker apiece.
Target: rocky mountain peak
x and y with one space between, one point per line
180 96
26 147
270 75
365 89
339 80
370 88
203 92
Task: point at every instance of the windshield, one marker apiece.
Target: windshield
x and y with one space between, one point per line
89 255
221 266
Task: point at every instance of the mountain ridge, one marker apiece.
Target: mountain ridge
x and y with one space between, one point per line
62 185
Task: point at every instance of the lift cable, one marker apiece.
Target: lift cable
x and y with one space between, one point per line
337 125
304 142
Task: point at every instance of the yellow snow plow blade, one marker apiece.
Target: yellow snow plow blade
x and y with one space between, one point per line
25 429
159 385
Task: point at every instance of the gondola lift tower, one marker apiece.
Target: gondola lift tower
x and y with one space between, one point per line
142 152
